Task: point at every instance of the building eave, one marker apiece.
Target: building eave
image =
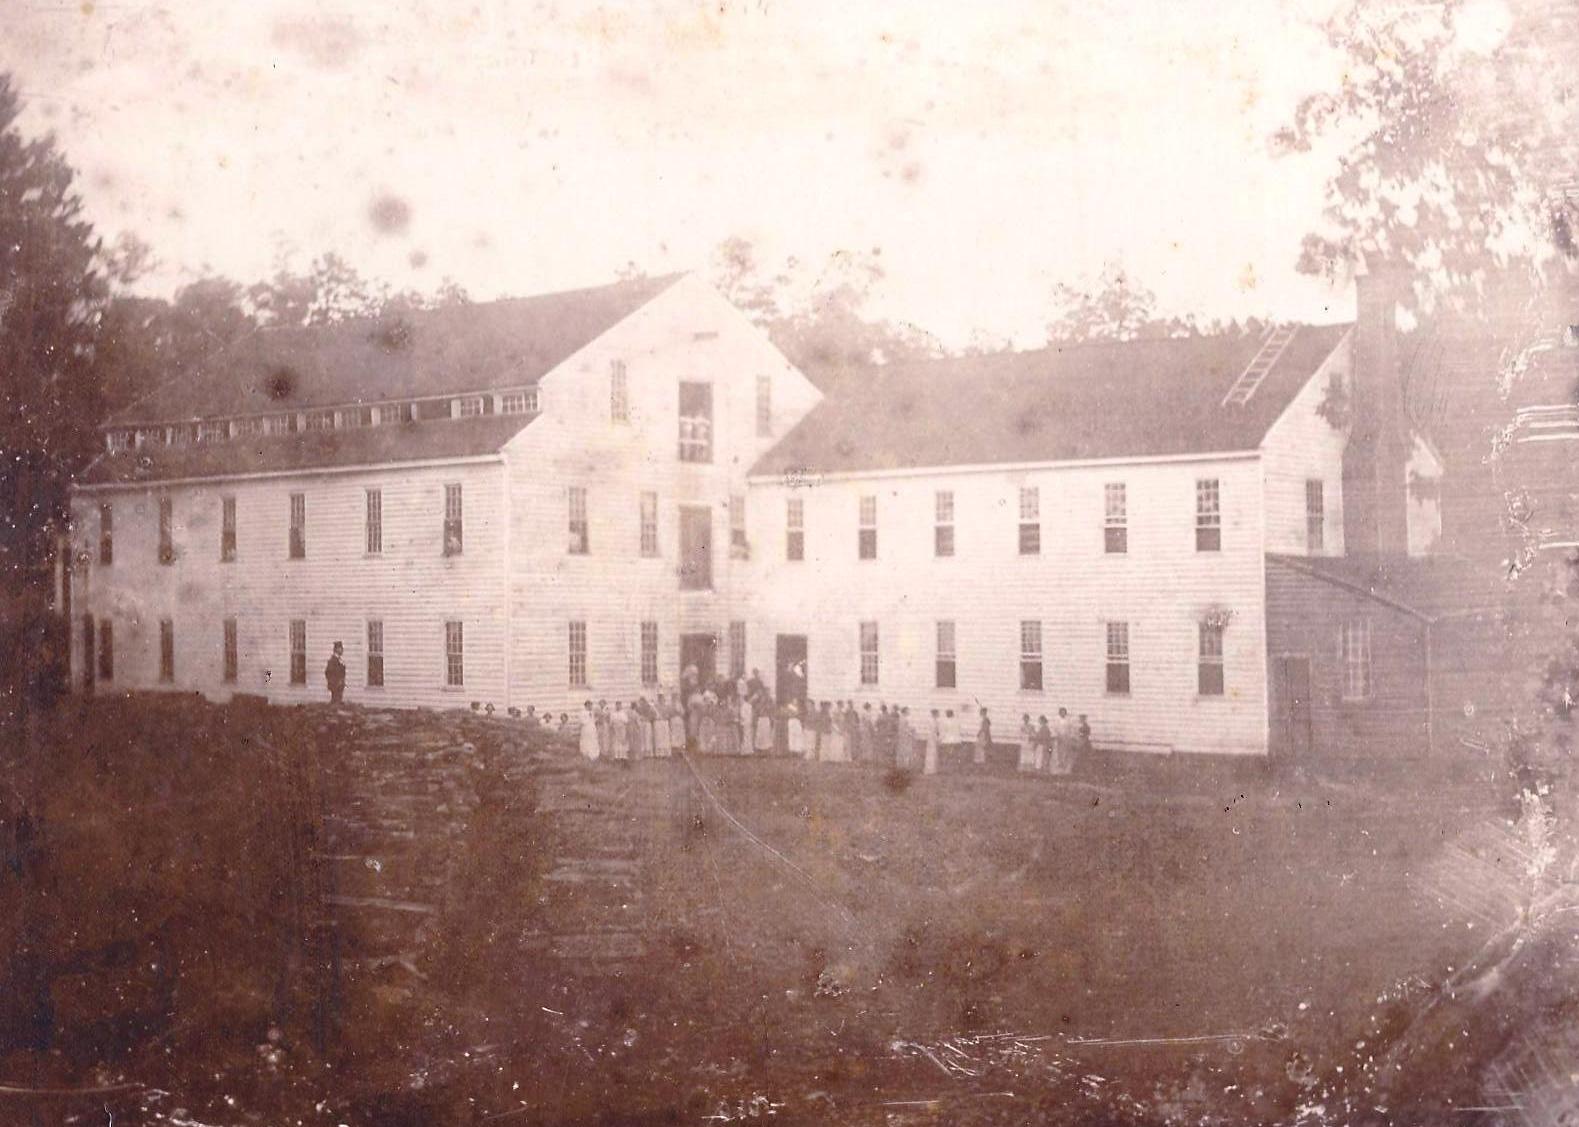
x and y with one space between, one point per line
305 472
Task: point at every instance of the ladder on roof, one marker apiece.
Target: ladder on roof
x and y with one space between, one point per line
1272 347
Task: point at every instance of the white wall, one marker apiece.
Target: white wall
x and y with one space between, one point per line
1300 446
1161 587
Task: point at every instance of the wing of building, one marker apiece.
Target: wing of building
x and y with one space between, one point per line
574 496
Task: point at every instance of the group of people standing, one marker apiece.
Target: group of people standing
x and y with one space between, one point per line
1052 747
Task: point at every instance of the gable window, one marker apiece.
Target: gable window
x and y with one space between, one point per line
1208 516
1031 655
737 649
453 541
578 654
619 393
795 529
106 535
649 524
1354 655
946 668
454 654
1030 521
373 533
166 650
166 531
696 421
232 658
649 653
866 546
298 537
298 640
1118 658
227 529
1115 518
869 653
1315 515
943 526
470 406
580 541
375 653
764 406
1209 677
739 546
106 650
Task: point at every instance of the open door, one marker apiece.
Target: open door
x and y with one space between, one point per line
1290 719
791 661
700 651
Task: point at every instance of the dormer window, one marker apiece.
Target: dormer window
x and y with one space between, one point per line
182 434
469 407
356 417
119 439
213 431
246 427
320 420
394 413
518 402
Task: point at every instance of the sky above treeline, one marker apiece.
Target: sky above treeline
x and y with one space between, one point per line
986 151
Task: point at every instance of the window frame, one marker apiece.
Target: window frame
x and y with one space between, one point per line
1356 660
454 543
454 653
297 632
1208 514
1211 676
1115 518
764 406
374 672
576 651
649 653
945 648
1030 527
227 528
231 643
1117 659
167 651
373 521
866 528
106 534
696 431
296 545
106 654
619 392
871 654
739 543
580 530
166 531
943 524
1315 515
795 529
1031 655
647 515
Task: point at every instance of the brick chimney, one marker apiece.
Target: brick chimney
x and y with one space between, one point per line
1375 461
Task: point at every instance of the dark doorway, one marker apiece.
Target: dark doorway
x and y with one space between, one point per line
701 651
88 654
696 548
1291 728
791 682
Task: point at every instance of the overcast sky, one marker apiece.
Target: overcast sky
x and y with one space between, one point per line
988 150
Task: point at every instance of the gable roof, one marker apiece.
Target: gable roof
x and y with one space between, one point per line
309 450
368 360
1142 398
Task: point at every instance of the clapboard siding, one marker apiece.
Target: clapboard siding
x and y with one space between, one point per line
688 333
412 586
1302 446
1161 587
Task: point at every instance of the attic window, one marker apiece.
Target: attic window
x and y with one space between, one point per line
469 407
518 402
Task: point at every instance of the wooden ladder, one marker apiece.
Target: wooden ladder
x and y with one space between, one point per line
1272 347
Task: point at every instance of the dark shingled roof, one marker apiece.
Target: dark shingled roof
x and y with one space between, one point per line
1429 587
1128 399
367 360
308 450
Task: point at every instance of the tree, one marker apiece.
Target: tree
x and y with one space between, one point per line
1114 308
330 291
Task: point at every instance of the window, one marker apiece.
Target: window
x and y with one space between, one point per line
795 529
764 406
649 524
117 440
374 522
388 413
1354 652
298 540
454 654
181 435
232 659
868 653
739 546
867 539
1118 658
279 424
943 528
88 650
580 542
578 654
1115 518
737 649
298 639
213 431
1030 521
375 654
166 650
320 420
469 407
947 662
453 541
356 417
516 402
1209 679
248 427
1208 516
1031 655
106 650
619 393
227 529
649 653
106 534
1315 515
696 422
166 531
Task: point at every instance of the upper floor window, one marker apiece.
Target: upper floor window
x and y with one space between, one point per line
1209 675
232 658
373 522
166 649
1208 516
580 540
649 524
1031 655
356 417
453 542
1115 518
739 546
298 640
388 413
1118 658
470 406
578 654
227 529
1354 654
166 531
454 654
518 402
869 653
1030 521
947 662
764 406
1315 515
106 534
943 526
298 536
375 653
649 653
866 545
696 421
619 393
795 528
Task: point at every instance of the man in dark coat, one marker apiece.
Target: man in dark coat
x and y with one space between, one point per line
334 673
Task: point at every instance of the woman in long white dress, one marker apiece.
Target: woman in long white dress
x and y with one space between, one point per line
1028 757
676 725
589 732
795 731
764 714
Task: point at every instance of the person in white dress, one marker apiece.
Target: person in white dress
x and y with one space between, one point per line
589 732
929 765
1029 760
795 731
